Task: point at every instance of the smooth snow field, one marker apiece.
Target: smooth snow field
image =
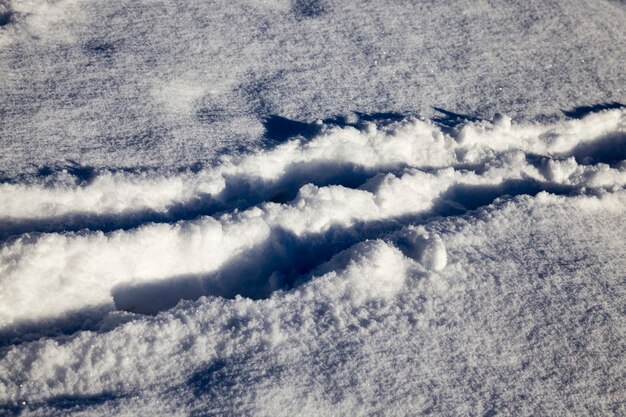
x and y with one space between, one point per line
312 208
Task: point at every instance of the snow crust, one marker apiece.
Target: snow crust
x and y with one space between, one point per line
312 208
113 84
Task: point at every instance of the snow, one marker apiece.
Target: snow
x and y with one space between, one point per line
334 154
370 245
113 84
52 274
479 334
430 250
312 207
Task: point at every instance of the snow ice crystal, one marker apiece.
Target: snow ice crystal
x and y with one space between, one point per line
312 207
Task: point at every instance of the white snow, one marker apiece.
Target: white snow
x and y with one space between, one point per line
335 152
113 84
408 172
312 207
433 254
317 354
366 271
52 274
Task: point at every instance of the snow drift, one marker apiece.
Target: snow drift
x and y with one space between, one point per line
365 227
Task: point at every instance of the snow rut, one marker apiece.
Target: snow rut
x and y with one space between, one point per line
255 224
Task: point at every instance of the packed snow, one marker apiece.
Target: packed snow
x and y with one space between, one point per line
310 207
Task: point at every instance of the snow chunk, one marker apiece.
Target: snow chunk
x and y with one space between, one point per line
426 248
369 270
559 171
434 256
502 120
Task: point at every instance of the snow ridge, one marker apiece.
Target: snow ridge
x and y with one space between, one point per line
336 155
313 233
251 224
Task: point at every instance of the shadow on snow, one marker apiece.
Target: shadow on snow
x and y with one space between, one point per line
280 260
582 111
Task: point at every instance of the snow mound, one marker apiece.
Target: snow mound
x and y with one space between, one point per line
369 270
520 278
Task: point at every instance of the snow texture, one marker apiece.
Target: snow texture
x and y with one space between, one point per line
371 285
251 208
170 84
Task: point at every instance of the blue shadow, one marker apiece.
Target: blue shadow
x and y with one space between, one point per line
582 111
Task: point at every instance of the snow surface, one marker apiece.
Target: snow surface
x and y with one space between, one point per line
170 84
361 250
251 208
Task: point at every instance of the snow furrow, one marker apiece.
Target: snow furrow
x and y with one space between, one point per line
346 156
263 248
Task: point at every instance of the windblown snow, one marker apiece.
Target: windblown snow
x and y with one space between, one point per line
113 83
312 208
395 237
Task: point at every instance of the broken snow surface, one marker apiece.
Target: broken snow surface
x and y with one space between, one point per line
170 245
364 270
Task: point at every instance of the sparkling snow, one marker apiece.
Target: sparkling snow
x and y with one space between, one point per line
312 207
